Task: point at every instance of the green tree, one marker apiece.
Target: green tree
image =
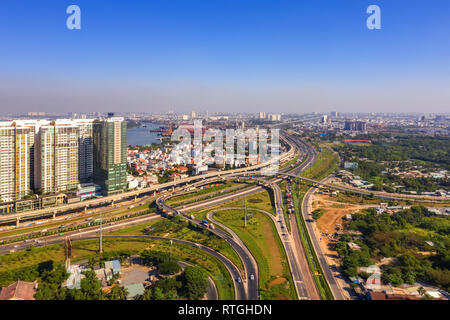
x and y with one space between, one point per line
169 267
393 276
90 287
157 294
421 290
196 281
118 293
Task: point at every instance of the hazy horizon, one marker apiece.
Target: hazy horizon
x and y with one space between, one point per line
234 56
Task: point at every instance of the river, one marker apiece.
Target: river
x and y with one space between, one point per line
140 136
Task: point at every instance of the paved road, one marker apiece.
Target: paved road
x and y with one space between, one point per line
248 273
250 268
326 268
93 234
300 270
301 273
252 292
147 190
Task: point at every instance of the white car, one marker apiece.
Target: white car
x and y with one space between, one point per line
252 277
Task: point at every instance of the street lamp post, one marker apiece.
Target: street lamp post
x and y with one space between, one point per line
101 232
245 212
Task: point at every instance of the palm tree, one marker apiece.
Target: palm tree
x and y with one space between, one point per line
421 291
118 293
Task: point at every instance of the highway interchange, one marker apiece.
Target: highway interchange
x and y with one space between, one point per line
248 288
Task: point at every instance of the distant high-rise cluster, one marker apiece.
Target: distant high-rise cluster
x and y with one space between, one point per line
355 126
43 156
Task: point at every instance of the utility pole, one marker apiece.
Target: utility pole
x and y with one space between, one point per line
101 232
245 213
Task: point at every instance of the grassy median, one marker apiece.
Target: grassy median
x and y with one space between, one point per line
261 238
82 250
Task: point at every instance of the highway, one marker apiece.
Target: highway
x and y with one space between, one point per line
148 190
326 268
92 234
301 273
305 289
305 285
248 272
247 260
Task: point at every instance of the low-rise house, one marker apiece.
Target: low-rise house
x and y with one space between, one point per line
135 290
19 290
75 276
348 217
103 274
353 246
113 265
376 295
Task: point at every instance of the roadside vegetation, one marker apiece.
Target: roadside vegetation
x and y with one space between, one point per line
391 154
74 225
262 200
327 162
418 241
202 194
80 219
261 238
39 263
178 228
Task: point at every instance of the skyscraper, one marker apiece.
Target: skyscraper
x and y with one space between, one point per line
56 157
85 149
110 144
14 161
355 126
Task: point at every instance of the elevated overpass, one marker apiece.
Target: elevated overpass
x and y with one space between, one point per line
84 205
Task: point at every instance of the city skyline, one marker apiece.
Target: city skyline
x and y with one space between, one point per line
234 56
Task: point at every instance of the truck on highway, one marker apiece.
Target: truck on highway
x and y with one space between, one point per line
211 226
205 223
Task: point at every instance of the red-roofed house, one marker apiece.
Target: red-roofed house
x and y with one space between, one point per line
19 290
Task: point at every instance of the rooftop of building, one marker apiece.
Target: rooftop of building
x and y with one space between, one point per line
19 290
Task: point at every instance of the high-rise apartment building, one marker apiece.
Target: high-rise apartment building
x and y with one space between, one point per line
85 149
275 117
110 157
355 126
15 144
56 157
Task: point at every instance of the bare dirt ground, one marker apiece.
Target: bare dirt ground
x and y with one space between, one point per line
277 281
134 274
331 219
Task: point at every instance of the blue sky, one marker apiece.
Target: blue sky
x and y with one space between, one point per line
277 55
